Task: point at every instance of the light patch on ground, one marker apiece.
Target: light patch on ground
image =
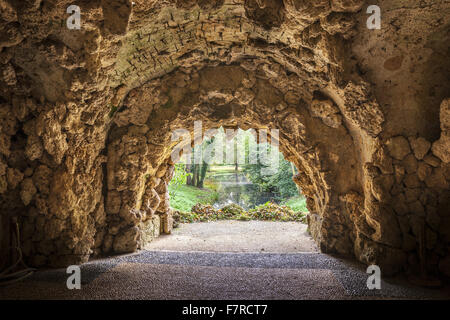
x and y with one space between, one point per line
237 236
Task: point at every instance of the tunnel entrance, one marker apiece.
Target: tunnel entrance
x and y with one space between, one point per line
234 193
230 172
140 148
343 171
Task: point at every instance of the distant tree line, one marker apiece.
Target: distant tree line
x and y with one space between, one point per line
280 183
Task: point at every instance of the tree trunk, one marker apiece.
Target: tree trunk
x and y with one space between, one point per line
294 172
188 169
202 174
195 174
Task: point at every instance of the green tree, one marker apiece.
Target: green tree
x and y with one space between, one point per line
280 184
179 178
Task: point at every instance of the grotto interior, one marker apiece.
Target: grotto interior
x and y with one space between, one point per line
86 117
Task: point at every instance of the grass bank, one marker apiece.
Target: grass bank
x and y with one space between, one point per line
268 212
296 204
187 196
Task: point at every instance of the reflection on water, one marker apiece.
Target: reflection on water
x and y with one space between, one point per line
236 188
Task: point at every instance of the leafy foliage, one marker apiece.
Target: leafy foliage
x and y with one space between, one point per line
274 212
280 184
179 178
268 211
278 187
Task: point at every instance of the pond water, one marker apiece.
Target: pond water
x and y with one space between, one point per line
234 187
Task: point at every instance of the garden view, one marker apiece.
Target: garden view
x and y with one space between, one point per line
236 190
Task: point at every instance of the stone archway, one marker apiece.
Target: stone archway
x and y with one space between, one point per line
84 163
313 135
139 146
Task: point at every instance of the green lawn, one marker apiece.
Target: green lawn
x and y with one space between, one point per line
296 204
187 196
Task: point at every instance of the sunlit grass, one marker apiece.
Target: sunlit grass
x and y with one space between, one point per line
296 204
187 196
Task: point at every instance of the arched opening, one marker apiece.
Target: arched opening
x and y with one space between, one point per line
238 167
140 167
233 194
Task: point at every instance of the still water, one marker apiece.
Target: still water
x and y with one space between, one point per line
234 187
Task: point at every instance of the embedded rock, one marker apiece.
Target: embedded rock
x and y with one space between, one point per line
420 147
398 147
441 148
126 241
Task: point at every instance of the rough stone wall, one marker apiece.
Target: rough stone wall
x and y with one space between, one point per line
406 61
86 117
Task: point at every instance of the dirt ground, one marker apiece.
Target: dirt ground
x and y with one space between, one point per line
237 236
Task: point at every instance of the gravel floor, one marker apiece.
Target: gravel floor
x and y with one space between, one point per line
240 272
